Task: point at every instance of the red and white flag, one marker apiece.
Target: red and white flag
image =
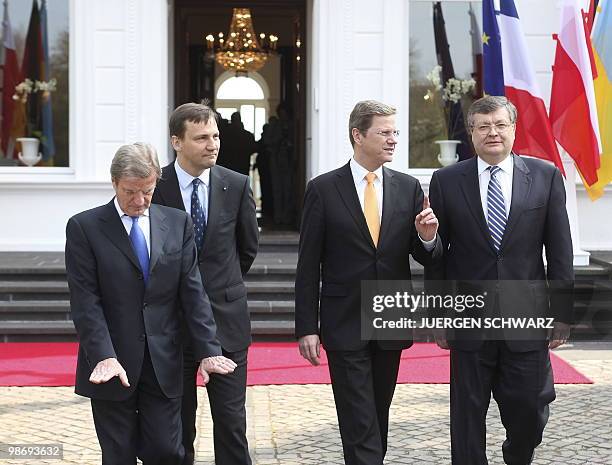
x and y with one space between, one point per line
573 112
11 77
518 80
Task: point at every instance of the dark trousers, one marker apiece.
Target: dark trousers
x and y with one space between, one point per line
227 397
363 382
522 385
147 424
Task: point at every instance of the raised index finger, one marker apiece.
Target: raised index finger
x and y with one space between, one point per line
425 202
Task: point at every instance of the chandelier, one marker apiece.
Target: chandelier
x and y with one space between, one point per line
241 51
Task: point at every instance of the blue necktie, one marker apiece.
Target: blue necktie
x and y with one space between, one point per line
496 208
198 215
139 244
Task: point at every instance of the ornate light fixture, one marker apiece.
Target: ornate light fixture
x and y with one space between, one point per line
241 51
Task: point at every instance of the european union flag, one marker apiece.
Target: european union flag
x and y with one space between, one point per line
492 51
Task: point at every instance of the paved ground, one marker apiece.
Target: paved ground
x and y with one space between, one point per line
292 425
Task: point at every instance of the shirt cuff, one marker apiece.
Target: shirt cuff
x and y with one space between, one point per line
429 245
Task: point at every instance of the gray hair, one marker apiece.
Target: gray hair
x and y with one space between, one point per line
137 160
362 114
489 104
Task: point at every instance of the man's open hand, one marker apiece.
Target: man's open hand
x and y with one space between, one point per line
107 369
218 364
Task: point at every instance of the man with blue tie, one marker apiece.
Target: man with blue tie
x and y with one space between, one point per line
129 264
498 212
222 208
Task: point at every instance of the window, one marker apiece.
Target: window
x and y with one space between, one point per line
428 121
242 88
248 95
39 111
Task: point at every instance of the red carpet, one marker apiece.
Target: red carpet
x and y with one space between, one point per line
53 364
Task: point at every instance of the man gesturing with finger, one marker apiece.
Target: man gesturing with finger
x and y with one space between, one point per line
360 222
129 264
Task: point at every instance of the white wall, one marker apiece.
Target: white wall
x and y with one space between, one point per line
118 95
356 54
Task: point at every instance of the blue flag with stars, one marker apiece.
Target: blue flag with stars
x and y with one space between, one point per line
491 51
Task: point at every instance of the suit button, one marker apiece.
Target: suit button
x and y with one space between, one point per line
140 276
144 307
142 337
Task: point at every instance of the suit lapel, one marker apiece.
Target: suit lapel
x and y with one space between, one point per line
390 192
346 188
170 190
112 227
471 190
521 186
159 234
216 194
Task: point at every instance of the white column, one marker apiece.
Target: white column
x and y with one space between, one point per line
359 52
581 257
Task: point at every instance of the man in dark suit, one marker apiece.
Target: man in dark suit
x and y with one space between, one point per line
223 212
128 265
238 146
360 222
497 212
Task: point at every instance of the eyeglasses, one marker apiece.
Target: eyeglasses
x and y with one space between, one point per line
389 134
485 129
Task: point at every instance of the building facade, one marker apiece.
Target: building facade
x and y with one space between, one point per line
122 87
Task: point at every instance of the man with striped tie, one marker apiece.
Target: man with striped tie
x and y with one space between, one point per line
497 213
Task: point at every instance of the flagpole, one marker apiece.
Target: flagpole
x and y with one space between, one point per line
581 257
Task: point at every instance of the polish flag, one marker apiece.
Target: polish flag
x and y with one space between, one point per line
533 132
573 111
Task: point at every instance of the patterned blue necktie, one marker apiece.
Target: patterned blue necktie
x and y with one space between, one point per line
496 208
198 215
139 244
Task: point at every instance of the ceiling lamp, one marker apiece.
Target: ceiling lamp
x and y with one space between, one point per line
241 51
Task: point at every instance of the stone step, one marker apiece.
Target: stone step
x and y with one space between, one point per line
55 290
282 242
33 290
48 310
24 331
53 310
273 328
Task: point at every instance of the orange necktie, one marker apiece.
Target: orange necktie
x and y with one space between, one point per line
370 208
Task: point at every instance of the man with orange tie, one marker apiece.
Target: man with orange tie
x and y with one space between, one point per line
360 222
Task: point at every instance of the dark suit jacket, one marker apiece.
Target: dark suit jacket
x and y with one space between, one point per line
230 246
114 314
537 219
336 248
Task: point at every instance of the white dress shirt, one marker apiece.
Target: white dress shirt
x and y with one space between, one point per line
185 183
359 178
143 221
504 176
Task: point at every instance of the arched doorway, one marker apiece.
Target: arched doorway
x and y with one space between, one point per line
246 94
282 80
